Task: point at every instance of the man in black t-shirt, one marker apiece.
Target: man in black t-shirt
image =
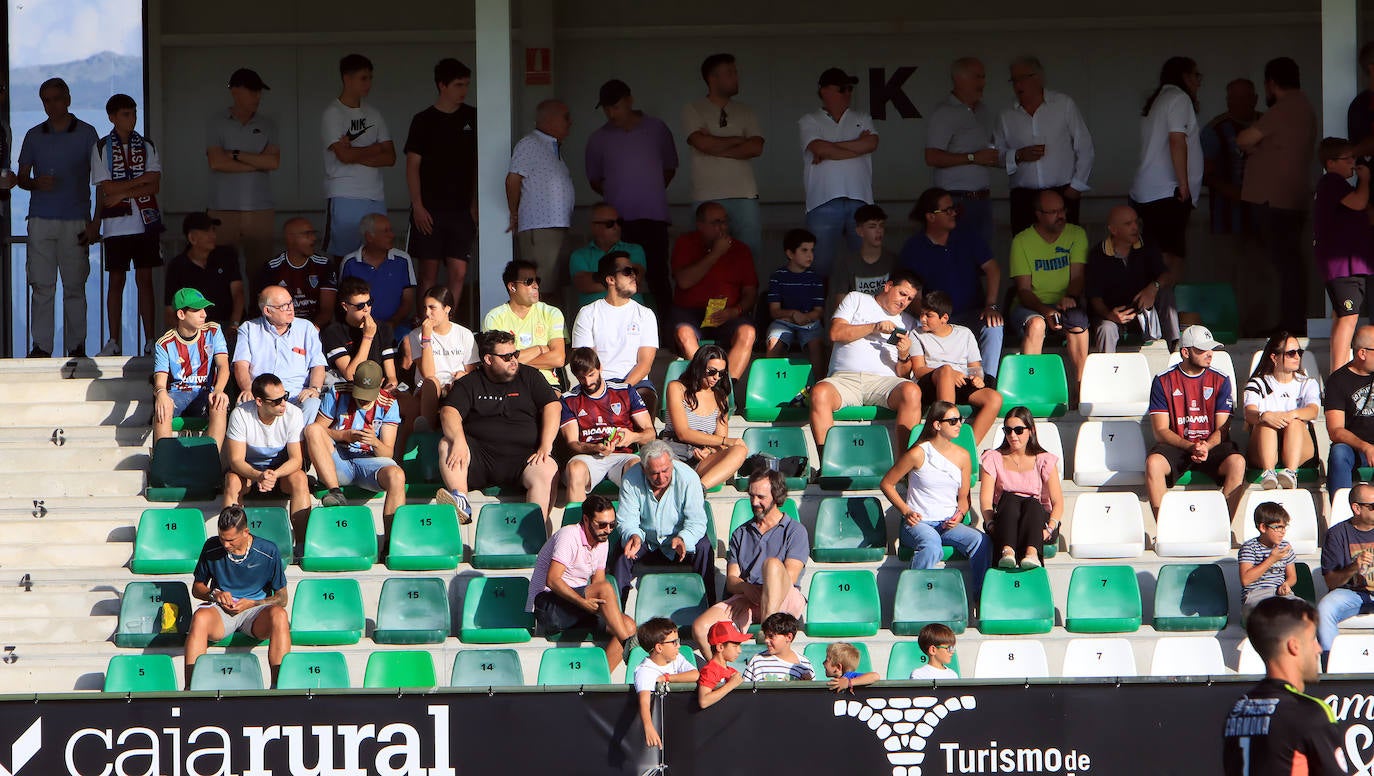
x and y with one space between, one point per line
1274 729
499 423
355 336
1349 406
210 269
441 174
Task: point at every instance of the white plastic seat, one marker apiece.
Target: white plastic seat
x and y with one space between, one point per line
1011 659
1115 385
1340 507
1109 453
1098 657
1309 365
1359 622
1046 432
1106 525
1193 523
1351 653
1221 361
1188 656
1302 517
1251 664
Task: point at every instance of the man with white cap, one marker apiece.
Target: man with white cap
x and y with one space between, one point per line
1190 406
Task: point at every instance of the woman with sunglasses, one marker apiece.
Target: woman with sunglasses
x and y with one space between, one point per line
699 418
1280 401
1020 497
440 351
937 472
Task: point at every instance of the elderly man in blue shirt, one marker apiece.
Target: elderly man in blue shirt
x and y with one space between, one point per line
662 517
284 345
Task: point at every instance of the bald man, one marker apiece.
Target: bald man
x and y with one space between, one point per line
1129 287
310 278
279 343
540 195
1349 406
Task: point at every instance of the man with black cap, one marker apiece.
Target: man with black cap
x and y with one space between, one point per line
837 166
630 161
209 268
353 438
241 146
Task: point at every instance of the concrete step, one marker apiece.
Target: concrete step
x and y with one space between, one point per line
45 369
21 558
39 531
77 389
80 413
39 604
83 460
133 433
42 484
54 630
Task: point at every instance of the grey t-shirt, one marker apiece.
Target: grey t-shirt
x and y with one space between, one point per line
852 273
240 190
786 541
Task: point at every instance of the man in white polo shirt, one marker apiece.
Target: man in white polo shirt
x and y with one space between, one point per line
623 332
837 167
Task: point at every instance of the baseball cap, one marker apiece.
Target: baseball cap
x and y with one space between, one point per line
1200 338
836 77
725 632
367 381
248 79
189 297
198 220
612 91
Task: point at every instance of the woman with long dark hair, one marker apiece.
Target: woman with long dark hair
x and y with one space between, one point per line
1280 400
698 424
1169 178
1020 497
439 350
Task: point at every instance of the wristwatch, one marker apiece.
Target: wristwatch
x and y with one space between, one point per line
970 158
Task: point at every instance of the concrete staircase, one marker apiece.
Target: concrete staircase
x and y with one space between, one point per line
74 440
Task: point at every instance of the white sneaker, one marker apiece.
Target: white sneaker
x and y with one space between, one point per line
1030 562
1287 478
1269 480
111 348
459 502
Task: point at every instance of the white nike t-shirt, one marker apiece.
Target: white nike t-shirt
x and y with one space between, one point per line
364 126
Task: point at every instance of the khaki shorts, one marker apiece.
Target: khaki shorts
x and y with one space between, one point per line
864 389
743 613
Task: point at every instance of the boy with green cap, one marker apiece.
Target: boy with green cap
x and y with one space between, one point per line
190 369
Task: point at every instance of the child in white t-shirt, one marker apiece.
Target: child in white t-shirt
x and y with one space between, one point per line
937 644
664 663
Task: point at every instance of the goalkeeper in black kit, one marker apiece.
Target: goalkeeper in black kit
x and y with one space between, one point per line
1274 729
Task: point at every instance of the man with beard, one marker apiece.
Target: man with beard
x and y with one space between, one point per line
601 419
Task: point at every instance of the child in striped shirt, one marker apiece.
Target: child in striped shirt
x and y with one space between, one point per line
779 662
1266 561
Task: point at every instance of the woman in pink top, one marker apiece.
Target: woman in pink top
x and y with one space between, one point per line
1021 500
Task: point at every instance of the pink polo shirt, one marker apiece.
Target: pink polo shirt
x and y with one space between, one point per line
568 546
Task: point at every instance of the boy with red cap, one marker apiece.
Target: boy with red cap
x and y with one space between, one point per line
717 677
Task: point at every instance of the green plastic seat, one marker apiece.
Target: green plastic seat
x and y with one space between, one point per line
929 595
486 668
340 539
906 656
779 442
509 536
1016 602
572 513
743 513
1304 588
637 655
771 387
313 671
573 666
181 424
863 412
849 530
274 525
420 462
140 614
815 652
1036 382
679 597
140 673
1103 599
406 668
855 457
412 610
425 537
184 469
1191 597
168 541
843 604
964 440
327 613
228 671
1215 303
494 611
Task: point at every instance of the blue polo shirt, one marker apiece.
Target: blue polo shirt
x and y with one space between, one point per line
786 541
289 356
954 267
257 575
66 155
395 275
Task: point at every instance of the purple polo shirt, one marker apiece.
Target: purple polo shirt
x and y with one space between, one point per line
631 164
1341 241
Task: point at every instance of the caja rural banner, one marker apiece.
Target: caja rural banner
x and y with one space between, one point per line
901 730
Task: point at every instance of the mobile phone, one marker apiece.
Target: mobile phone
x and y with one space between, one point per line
892 339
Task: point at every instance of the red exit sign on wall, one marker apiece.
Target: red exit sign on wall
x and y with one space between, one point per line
538 66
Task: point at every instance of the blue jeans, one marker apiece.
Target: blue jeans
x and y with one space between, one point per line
1337 605
746 226
989 339
309 407
927 539
1341 466
833 225
975 215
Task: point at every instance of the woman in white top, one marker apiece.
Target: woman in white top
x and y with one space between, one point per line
937 472
698 426
1280 401
440 351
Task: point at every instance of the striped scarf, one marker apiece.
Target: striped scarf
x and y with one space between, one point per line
126 162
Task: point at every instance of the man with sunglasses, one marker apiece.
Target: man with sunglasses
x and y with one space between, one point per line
284 345
499 423
568 587
537 327
1347 567
357 336
607 231
388 271
263 452
1349 410
837 166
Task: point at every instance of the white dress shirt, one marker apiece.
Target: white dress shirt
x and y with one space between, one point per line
1059 126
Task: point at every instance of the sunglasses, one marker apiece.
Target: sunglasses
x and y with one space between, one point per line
534 281
724 119
273 402
1362 504
627 271
600 526
1017 430
953 420
1294 353
712 372
507 357
949 211
608 223
366 303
